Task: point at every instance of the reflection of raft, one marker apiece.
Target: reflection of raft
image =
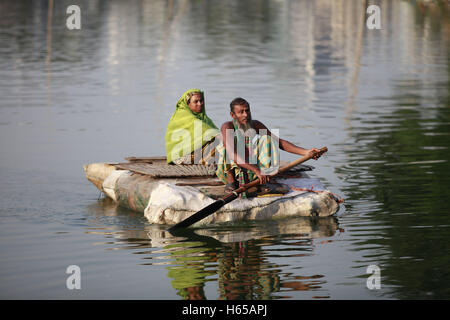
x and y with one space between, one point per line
168 194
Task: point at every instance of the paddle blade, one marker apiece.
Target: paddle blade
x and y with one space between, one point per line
206 211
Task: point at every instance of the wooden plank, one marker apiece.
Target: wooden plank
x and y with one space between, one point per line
201 183
147 159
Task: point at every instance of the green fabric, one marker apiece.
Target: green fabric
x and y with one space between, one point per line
188 267
178 143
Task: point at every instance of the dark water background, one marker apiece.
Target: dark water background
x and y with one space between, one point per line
378 99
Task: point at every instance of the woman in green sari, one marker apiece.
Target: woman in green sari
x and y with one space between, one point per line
190 135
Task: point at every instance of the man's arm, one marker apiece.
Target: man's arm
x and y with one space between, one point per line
286 145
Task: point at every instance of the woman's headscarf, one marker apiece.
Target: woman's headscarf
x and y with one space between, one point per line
183 134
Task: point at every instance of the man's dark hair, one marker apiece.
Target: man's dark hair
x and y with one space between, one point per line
238 102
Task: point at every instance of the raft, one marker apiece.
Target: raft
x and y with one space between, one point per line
168 194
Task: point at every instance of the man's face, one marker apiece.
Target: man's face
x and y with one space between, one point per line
242 114
196 103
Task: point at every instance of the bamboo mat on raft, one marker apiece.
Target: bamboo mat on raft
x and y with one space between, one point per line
168 170
157 167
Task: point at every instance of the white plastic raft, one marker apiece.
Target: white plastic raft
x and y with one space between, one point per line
171 200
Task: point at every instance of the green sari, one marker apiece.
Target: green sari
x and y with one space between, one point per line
187 130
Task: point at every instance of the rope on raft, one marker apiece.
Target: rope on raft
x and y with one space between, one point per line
337 198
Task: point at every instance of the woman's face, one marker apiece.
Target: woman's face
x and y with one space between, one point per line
196 103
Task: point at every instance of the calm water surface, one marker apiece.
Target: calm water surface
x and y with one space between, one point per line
378 99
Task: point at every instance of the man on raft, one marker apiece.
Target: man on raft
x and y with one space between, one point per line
249 149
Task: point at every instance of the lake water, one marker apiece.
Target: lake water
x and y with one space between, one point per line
378 99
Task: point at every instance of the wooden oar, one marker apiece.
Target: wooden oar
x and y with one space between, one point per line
216 205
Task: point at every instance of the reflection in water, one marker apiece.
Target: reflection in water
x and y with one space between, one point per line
237 257
189 268
242 267
407 175
399 169
244 272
